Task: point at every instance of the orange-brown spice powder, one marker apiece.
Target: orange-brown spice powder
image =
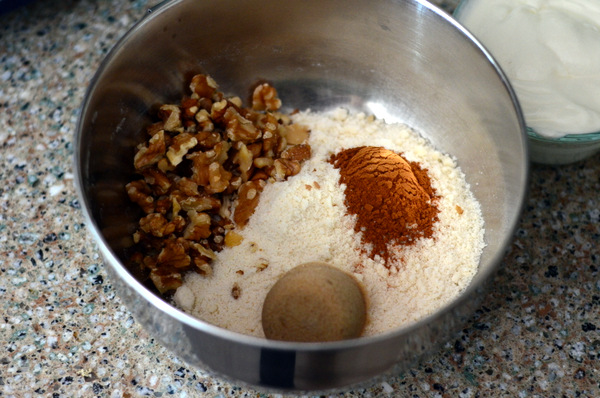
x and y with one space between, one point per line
393 199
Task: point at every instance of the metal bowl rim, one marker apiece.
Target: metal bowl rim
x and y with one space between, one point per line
112 260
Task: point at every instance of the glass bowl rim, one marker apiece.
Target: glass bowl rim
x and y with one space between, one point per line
569 138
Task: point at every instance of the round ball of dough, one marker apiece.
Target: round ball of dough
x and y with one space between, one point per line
314 302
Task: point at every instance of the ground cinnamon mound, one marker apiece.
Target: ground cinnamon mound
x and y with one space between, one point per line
392 198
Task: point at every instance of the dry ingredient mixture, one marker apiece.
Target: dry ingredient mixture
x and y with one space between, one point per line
306 219
236 197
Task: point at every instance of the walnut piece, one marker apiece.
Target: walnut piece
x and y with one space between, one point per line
158 180
283 168
233 239
295 134
180 146
218 178
236 291
264 97
239 128
297 153
157 225
247 201
165 281
199 226
204 121
244 159
139 192
174 254
171 116
148 155
203 86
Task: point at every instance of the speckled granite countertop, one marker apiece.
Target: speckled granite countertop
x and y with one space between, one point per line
64 333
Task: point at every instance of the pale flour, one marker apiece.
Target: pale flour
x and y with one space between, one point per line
304 219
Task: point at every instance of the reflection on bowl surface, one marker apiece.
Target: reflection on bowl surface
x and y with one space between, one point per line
403 60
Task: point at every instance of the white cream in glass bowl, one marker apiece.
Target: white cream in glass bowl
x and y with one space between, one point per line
550 51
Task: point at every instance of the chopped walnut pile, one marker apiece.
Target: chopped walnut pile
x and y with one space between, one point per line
202 170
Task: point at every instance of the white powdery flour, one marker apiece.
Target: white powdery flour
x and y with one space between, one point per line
304 219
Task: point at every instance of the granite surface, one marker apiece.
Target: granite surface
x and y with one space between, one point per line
64 332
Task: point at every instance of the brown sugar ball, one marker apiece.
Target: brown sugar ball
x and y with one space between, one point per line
314 302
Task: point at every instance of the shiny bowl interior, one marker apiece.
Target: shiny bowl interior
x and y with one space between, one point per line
401 60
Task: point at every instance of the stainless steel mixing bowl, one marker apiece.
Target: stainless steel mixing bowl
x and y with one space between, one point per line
402 60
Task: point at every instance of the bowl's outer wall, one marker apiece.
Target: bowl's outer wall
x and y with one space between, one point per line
400 60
